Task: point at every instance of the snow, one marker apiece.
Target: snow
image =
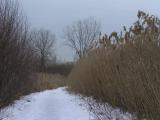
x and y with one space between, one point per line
48 105
55 104
104 111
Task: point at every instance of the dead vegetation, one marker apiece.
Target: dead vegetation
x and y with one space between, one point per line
124 70
46 81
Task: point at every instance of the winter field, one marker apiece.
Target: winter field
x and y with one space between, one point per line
56 104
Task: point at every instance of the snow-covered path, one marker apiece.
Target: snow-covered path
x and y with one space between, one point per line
48 105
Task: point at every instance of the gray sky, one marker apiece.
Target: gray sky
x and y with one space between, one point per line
55 15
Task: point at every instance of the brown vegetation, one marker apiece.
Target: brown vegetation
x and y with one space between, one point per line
125 70
46 81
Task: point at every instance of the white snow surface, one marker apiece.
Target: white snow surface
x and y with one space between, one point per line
48 105
55 104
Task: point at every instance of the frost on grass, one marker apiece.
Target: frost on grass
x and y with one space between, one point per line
103 111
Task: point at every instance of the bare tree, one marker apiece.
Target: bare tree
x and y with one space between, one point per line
82 36
43 42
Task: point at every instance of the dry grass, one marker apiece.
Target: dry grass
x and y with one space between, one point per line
40 82
126 74
49 81
128 78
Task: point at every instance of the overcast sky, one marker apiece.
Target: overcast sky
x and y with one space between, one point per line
55 15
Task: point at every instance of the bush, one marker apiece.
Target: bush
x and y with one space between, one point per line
16 55
125 70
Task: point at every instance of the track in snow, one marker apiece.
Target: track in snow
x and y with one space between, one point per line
48 105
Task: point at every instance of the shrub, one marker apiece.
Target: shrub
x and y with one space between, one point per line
16 55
